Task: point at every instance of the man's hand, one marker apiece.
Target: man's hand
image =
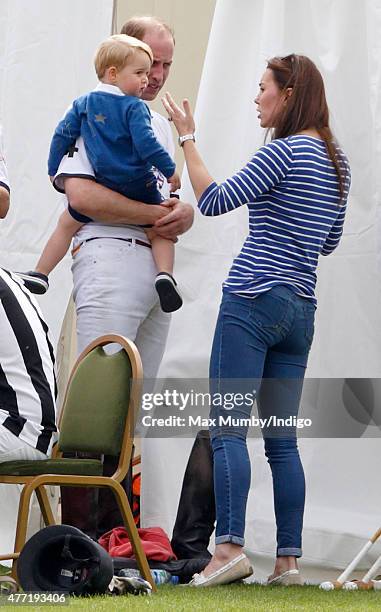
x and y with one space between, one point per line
100 203
177 221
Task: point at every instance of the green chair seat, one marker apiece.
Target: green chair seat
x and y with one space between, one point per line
75 467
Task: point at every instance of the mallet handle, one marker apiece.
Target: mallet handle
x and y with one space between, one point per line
343 577
375 536
373 570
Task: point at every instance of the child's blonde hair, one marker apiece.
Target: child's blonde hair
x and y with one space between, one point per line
116 51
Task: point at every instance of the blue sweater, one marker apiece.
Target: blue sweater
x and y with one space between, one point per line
118 137
295 214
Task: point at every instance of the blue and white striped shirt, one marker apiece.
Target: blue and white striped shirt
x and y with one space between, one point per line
295 214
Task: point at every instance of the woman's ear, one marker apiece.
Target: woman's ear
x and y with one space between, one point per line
287 94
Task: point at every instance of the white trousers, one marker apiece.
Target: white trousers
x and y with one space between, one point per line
114 292
13 449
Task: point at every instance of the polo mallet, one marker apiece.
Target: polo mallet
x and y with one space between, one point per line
338 584
366 583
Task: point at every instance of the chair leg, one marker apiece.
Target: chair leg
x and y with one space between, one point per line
129 523
46 510
22 523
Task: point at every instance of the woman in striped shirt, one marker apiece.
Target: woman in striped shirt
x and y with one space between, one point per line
296 189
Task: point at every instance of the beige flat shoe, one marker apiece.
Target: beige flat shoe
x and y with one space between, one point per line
237 569
289 578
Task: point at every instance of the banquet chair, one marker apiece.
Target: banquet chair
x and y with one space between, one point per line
98 416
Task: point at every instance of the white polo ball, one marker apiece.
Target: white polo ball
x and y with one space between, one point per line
350 586
327 586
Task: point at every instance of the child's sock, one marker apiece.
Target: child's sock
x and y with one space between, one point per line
169 296
36 282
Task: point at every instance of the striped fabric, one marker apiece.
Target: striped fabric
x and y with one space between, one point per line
27 381
295 214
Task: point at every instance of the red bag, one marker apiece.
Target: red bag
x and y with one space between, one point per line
155 543
136 485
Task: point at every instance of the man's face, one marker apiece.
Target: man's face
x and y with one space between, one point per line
162 46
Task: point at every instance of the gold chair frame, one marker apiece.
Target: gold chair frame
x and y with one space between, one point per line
37 483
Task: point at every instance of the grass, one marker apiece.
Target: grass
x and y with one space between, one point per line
232 597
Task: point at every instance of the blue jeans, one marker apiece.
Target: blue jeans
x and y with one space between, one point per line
260 345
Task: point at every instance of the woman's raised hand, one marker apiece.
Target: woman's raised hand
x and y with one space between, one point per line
182 118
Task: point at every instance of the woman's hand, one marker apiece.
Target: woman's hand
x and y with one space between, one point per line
182 118
184 123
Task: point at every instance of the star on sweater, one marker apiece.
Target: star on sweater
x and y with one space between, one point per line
100 118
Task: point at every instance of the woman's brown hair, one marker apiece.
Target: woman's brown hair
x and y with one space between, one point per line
306 106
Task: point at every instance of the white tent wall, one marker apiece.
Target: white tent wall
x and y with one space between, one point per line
46 57
46 60
343 38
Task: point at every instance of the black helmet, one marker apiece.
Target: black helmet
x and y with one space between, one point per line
62 558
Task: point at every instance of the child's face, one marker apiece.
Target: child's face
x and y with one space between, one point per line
133 78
